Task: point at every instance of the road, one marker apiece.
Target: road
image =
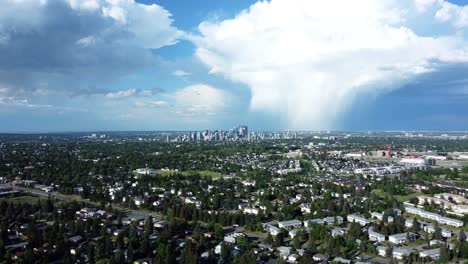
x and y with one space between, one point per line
135 214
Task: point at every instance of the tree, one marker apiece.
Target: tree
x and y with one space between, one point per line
437 232
269 239
145 247
389 252
296 242
91 254
415 227
279 239
247 258
460 242
225 252
465 169
149 225
218 231
444 254
311 242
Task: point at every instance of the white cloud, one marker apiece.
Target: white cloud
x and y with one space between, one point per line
86 41
150 24
121 94
85 5
424 5
181 73
132 92
10 101
307 60
152 104
457 15
201 100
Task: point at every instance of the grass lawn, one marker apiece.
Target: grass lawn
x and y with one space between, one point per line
418 242
401 198
23 199
258 234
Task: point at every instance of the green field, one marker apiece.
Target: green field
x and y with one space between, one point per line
23 199
203 173
401 198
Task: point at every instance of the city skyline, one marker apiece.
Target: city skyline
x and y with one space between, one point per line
271 65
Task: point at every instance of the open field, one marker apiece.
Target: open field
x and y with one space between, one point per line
23 199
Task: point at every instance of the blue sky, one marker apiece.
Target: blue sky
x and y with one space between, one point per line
93 65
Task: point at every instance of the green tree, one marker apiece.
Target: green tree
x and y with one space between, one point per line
444 254
311 242
415 228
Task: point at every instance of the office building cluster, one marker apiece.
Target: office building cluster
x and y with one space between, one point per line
238 133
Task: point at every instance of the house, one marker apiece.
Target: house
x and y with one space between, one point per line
317 221
145 171
284 251
139 201
273 230
290 224
143 261
434 254
305 208
333 219
217 249
400 252
374 236
450 222
320 258
402 238
408 223
160 224
382 251
341 260
249 210
377 215
231 238
293 257
292 233
357 219
431 229
338 231
29 183
435 242
432 216
75 239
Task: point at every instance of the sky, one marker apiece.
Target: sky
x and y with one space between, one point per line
108 65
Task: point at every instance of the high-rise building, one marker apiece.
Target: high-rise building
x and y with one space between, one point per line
242 131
